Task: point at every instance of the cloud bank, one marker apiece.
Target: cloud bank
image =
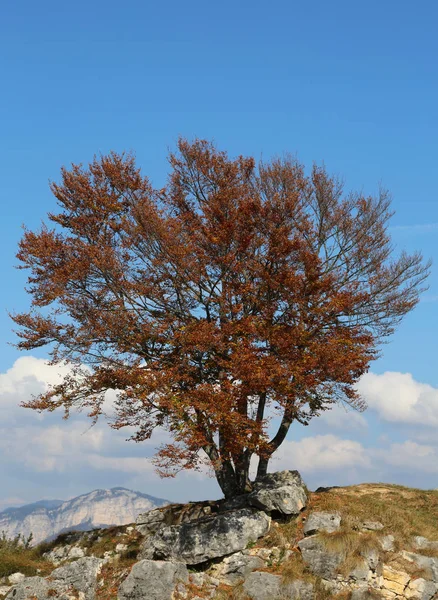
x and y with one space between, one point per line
41 455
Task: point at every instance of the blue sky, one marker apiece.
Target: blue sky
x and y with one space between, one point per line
352 84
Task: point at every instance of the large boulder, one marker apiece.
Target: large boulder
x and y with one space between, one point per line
154 580
260 585
80 574
282 492
211 537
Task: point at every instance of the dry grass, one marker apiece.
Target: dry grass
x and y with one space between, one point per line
405 512
111 577
17 555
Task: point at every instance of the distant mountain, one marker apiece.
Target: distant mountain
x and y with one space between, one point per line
100 508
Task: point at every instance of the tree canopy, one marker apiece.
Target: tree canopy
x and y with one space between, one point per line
223 307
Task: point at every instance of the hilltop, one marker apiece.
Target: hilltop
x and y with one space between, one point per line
279 542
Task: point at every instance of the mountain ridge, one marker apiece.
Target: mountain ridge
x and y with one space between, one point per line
45 519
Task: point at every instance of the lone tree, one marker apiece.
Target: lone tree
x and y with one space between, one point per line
229 304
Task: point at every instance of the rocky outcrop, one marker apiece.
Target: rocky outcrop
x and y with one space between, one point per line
239 550
211 537
79 577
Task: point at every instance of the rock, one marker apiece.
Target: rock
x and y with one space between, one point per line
4 589
387 543
76 552
16 578
429 563
361 572
61 553
81 574
322 521
212 537
174 514
121 547
372 525
372 558
260 585
282 492
422 543
37 588
420 589
320 560
157 578
393 580
234 569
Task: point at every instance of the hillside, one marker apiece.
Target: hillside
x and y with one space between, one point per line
100 508
280 542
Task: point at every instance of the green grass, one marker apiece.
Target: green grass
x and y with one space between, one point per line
17 555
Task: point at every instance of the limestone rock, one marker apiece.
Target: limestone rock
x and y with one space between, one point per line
420 589
212 537
37 588
320 560
62 553
4 589
266 586
393 580
16 578
422 543
235 568
81 574
283 492
429 563
387 543
157 579
322 521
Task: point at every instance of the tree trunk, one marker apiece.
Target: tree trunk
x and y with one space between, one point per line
262 468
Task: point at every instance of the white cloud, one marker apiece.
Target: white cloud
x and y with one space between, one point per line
410 456
397 397
343 418
320 452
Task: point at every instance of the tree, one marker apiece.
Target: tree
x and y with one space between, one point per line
234 301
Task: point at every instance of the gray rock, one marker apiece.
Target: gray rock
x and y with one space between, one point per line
4 589
387 543
372 525
422 543
150 522
37 588
81 574
16 578
372 558
420 589
360 572
429 563
320 560
212 537
282 491
154 580
322 521
266 586
235 568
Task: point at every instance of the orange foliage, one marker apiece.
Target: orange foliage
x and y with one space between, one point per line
235 293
